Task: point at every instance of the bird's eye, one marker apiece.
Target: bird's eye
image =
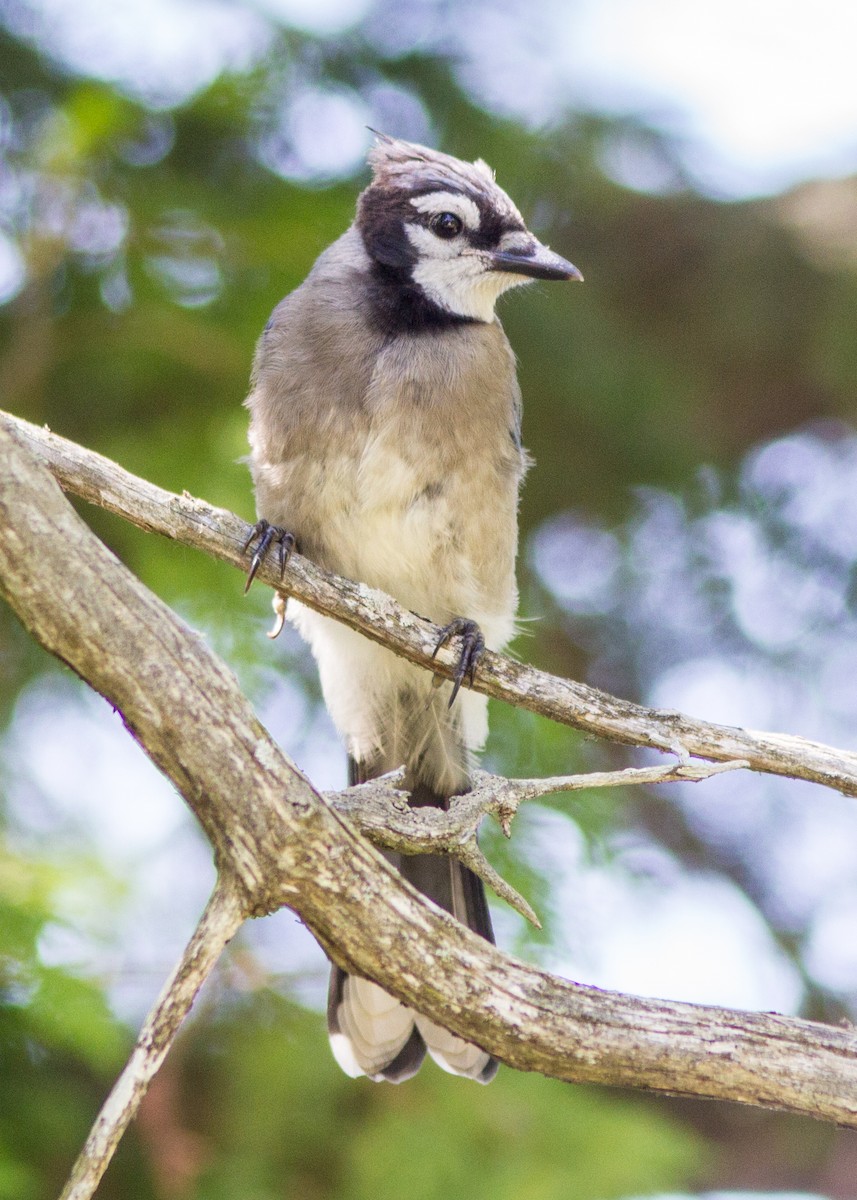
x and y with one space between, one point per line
447 225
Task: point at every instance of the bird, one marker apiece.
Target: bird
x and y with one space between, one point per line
385 445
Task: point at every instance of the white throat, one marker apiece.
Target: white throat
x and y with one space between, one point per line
471 294
458 282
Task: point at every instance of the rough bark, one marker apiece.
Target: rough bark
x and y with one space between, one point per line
279 842
222 535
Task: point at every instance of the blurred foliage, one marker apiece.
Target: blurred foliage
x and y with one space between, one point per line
525 1138
59 1043
154 240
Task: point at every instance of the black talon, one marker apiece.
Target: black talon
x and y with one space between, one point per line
472 646
268 535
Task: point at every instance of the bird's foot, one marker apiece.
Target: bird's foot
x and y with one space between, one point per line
472 647
268 536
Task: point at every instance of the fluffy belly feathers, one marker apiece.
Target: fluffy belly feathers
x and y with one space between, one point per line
421 539
417 538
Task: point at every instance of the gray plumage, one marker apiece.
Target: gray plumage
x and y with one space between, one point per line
385 435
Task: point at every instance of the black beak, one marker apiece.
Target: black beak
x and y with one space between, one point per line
536 261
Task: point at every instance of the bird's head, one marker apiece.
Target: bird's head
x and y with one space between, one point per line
444 227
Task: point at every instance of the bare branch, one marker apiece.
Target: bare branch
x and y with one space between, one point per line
222 534
381 812
285 845
218 925
502 797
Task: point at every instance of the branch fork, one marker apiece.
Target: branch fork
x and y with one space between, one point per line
381 812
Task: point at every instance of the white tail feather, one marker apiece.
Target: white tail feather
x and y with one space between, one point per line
452 1053
373 1025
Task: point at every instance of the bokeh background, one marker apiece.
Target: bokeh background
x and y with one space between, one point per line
168 170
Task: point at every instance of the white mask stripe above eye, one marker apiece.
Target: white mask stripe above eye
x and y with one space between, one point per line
438 202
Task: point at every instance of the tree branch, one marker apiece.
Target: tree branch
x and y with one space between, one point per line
221 534
381 812
221 920
282 844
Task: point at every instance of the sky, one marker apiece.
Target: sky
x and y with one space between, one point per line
760 94
764 91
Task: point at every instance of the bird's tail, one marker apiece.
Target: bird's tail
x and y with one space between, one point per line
372 1033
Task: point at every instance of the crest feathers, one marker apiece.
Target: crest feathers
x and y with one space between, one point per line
407 166
403 163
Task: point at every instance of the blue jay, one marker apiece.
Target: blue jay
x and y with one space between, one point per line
385 443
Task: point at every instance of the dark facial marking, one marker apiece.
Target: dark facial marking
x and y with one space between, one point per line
398 305
381 215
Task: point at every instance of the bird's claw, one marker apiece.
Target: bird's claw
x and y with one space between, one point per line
268 535
279 606
472 647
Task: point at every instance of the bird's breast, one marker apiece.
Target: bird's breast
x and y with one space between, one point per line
402 472
434 481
